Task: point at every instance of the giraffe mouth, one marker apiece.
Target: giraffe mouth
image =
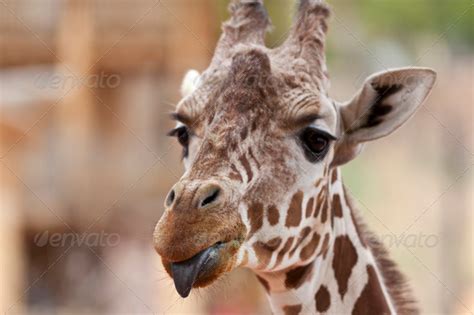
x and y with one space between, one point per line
186 273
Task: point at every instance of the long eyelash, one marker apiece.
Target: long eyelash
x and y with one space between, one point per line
173 132
181 118
330 136
324 133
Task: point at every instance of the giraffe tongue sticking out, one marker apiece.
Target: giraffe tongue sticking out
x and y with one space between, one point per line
185 273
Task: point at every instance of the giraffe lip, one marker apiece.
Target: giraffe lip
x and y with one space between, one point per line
186 273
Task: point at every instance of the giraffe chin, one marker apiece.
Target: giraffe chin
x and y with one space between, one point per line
202 269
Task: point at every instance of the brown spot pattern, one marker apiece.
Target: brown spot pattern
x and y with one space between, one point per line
325 246
294 210
336 206
304 232
272 244
324 211
319 204
253 126
295 277
292 309
247 167
309 207
284 250
309 248
273 215
344 260
323 299
255 214
264 251
372 299
243 134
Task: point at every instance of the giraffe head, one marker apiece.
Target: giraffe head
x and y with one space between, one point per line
260 139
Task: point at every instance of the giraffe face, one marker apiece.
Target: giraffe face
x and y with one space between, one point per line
260 141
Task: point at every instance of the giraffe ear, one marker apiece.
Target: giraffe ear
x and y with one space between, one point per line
190 82
385 102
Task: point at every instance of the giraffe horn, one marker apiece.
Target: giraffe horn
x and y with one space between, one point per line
308 34
248 24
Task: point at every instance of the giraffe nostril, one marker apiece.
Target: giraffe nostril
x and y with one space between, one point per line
210 198
170 198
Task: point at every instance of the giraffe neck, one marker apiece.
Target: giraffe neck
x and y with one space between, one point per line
343 278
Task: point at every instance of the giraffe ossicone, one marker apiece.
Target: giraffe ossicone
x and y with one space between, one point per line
262 145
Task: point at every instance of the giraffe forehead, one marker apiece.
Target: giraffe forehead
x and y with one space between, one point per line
257 86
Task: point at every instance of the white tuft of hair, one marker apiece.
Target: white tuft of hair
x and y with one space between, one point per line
190 82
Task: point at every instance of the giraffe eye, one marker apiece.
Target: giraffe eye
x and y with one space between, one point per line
315 143
182 133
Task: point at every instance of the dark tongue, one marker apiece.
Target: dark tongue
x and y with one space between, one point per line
186 272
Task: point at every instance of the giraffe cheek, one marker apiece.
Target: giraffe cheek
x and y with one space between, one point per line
265 250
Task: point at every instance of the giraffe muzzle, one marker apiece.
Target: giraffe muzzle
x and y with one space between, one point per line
186 273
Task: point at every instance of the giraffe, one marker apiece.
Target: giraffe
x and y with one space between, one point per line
262 146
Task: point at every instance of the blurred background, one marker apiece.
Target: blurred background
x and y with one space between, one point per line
85 91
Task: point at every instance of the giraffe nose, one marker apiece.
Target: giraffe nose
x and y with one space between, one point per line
208 195
195 196
170 199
